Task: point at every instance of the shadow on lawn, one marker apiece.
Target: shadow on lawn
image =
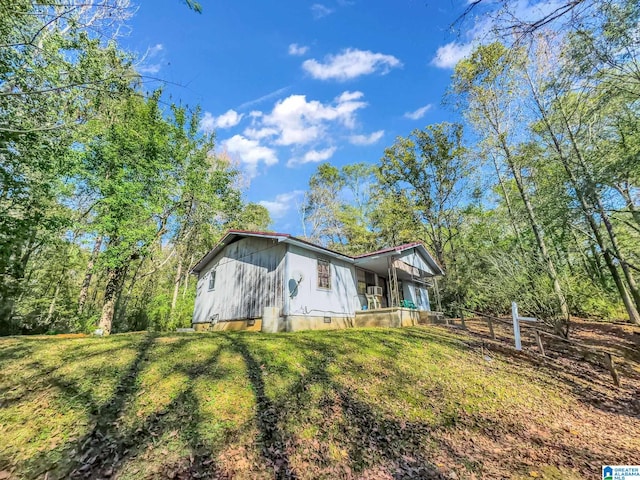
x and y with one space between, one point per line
374 444
103 451
109 445
274 448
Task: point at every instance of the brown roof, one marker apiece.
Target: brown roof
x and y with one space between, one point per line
398 248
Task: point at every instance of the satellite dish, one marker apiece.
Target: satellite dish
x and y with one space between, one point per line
296 279
298 276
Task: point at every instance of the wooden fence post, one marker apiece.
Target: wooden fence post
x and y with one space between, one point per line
539 342
462 319
490 322
608 360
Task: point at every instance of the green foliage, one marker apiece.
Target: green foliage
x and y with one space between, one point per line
89 160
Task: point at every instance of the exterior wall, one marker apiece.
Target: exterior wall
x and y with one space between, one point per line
249 277
412 257
417 293
304 298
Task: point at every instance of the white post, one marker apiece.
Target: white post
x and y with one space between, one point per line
516 325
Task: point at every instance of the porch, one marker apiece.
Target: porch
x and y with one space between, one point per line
393 281
395 317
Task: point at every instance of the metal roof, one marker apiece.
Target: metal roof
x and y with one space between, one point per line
233 235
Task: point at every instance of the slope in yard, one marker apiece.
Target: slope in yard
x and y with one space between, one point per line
362 403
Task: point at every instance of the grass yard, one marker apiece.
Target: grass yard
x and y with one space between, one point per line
361 403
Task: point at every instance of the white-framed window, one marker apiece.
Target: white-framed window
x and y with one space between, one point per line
324 274
212 279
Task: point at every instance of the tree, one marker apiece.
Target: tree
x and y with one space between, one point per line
430 166
487 86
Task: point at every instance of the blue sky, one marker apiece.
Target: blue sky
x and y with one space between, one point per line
288 84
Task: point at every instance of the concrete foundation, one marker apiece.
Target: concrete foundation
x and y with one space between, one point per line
387 317
383 317
231 325
296 323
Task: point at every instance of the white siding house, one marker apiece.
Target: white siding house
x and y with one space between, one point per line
276 282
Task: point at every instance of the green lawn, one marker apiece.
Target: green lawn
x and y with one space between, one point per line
361 403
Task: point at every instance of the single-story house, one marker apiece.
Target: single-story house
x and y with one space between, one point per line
277 282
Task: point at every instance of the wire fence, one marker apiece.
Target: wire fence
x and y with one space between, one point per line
543 340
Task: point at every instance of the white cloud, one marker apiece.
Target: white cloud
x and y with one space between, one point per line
366 139
152 60
296 121
295 125
447 56
498 16
350 63
313 156
250 153
227 120
155 50
259 133
283 202
318 10
298 50
263 98
419 113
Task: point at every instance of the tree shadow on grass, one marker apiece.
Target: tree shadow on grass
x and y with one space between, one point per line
374 440
109 445
272 439
36 376
104 450
375 444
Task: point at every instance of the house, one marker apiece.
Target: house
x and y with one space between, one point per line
277 282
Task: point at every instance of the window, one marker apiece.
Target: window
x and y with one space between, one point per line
212 279
362 284
324 274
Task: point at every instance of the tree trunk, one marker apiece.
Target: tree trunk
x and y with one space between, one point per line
186 277
537 232
630 204
176 286
507 200
110 297
631 282
52 305
84 290
586 210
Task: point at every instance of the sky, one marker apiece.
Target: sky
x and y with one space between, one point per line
289 84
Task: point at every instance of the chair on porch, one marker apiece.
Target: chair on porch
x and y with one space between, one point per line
373 301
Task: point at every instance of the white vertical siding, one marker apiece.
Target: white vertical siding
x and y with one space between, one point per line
307 299
418 294
413 258
249 277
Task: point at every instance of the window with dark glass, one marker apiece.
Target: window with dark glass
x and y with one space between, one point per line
212 279
324 274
